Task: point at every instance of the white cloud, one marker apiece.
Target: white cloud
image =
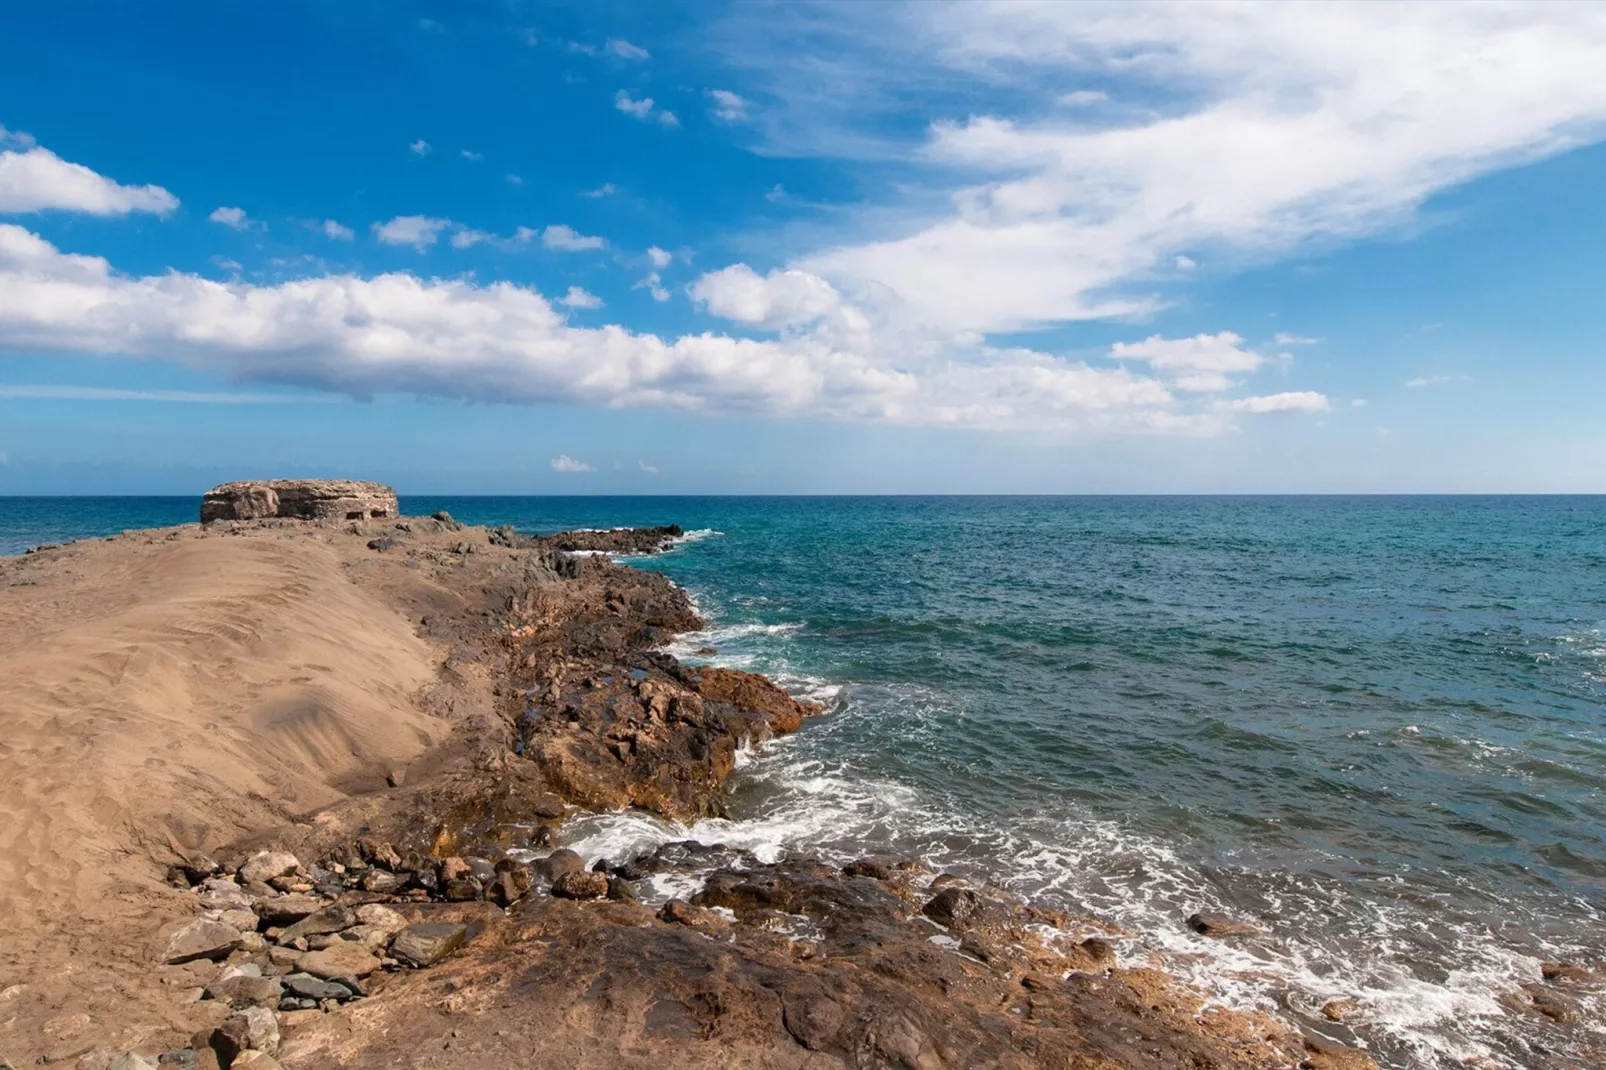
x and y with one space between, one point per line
644 109
1430 380
654 285
233 218
566 239
779 299
34 179
196 397
337 231
1283 338
514 180
607 189
577 297
472 157
503 343
1281 125
728 106
565 463
1185 263
626 50
1200 363
465 238
650 469
1359 403
1293 401
416 230
421 147
660 257
226 264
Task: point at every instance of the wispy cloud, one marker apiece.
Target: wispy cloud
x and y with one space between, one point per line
233 218
579 297
626 50
471 156
1433 380
421 147
644 109
607 189
416 230
565 238
565 463
728 106
1282 338
660 257
337 231
188 397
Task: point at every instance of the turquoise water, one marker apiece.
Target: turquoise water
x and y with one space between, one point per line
1375 725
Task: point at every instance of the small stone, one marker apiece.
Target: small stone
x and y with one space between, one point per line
253 1029
201 939
680 912
454 868
287 909
395 777
952 906
1207 924
380 916
322 941
581 884
252 942
306 986
548 806
131 1061
330 919
344 960
1340 1010
427 944
266 865
283 956
246 991
463 889
510 886
383 881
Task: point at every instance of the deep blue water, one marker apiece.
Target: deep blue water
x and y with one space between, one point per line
1375 725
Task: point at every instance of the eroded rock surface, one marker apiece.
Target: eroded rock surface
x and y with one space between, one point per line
299 499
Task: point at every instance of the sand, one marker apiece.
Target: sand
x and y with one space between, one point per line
177 689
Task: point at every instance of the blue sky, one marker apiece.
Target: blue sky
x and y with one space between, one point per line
620 248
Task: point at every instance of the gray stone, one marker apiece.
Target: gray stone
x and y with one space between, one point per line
202 938
330 919
427 944
306 986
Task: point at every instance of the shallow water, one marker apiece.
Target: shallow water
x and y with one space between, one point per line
1377 726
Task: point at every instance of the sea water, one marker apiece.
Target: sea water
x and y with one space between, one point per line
1375 726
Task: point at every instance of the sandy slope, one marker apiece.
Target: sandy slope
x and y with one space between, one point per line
176 687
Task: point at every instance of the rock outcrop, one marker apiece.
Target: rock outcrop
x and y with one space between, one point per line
299 499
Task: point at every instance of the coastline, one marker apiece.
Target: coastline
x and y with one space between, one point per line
515 628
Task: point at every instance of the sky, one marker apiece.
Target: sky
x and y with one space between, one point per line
503 247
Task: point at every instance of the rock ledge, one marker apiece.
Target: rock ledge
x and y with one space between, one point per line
299 499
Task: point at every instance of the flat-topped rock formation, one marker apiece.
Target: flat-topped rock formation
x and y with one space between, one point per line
299 499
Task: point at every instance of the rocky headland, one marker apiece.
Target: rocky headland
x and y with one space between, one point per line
293 793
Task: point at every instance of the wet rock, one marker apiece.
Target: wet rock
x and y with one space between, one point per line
1219 925
201 939
559 864
1552 1004
680 912
428 943
329 919
581 884
345 959
463 890
868 867
1324 1054
264 866
1565 971
953 907
1341 1010
548 806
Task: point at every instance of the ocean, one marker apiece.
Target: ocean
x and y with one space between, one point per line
1375 726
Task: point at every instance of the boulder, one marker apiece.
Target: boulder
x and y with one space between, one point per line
329 919
1341 1009
287 909
379 916
1565 971
952 906
253 1029
201 939
583 884
299 499
559 863
266 865
427 944
345 959
1206 924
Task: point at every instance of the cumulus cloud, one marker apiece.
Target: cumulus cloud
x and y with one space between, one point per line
337 231
659 257
566 239
233 218
780 299
1293 401
421 147
1202 362
654 285
578 297
419 231
1283 125
34 179
626 50
565 463
644 109
728 106
454 338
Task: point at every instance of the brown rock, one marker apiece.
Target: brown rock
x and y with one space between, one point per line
330 919
264 866
427 944
1340 1010
680 912
299 499
560 863
582 884
952 906
1219 925
1565 971
287 909
201 939
345 959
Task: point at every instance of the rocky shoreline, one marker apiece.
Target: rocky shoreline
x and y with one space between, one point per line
430 919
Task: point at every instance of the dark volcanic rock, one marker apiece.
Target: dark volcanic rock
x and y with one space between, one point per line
618 541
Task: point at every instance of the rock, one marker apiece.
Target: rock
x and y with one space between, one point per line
197 866
131 1061
427 944
1340 1010
462 890
1552 1004
306 986
201 939
1220 925
252 942
244 921
345 959
244 991
952 906
868 867
680 912
549 806
1565 971
510 886
256 1060
287 909
329 919
266 865
383 881
560 863
379 916
581 884
1324 1054
253 1029
299 499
